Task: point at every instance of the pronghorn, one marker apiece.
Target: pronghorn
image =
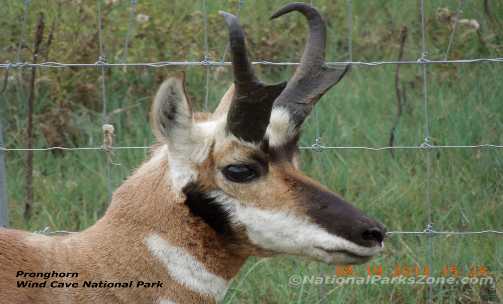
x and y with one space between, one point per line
217 189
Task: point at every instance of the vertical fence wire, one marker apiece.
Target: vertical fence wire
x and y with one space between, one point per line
350 29
4 210
4 220
317 142
3 182
238 14
206 56
101 60
317 139
427 150
104 100
240 4
322 292
4 215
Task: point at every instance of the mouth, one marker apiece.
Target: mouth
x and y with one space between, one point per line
354 257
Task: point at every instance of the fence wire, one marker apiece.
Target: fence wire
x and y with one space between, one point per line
104 100
314 147
102 64
429 225
213 63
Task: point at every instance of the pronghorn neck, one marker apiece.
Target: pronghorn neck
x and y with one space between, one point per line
176 243
220 187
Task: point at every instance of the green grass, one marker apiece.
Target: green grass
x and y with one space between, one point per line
465 107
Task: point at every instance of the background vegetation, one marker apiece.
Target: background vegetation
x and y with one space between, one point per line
466 107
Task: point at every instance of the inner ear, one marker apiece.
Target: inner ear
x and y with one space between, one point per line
171 111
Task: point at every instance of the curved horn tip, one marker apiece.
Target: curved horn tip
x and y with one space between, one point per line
229 18
295 6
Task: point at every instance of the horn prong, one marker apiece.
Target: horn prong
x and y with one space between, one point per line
251 106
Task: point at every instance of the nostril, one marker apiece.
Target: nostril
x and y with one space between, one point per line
373 234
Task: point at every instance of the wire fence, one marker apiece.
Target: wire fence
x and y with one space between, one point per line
101 64
212 63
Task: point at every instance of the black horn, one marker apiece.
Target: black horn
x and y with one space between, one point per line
252 102
312 78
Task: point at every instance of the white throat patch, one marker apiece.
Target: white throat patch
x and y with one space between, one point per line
186 269
285 232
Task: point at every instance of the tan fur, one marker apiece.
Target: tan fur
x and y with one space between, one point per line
150 203
113 249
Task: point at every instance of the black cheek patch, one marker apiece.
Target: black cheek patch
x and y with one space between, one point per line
205 207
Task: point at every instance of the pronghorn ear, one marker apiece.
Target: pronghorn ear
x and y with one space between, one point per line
171 111
173 125
225 103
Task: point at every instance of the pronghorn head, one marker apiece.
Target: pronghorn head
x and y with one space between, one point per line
236 169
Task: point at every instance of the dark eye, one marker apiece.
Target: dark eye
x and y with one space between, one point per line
240 173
